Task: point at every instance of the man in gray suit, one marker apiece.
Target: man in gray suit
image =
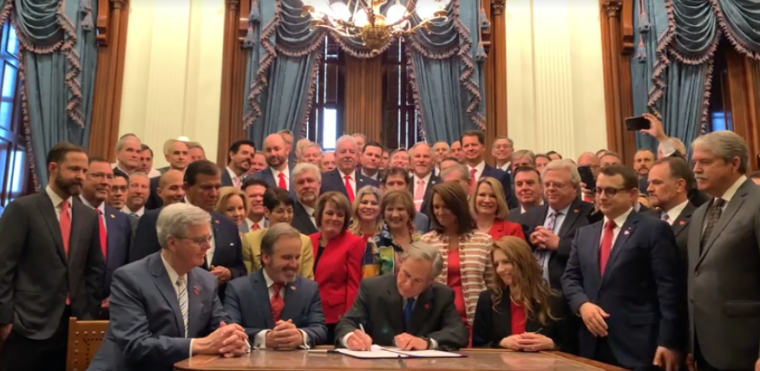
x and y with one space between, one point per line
278 308
51 266
164 308
724 257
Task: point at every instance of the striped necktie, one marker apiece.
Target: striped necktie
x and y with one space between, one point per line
182 298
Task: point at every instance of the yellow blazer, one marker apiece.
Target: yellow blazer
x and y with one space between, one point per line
252 253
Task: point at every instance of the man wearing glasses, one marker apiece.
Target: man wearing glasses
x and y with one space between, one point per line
622 280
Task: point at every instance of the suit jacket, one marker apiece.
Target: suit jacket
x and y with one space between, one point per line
154 200
515 215
146 330
491 324
680 230
723 282
267 175
584 216
301 220
506 182
133 220
639 289
338 273
226 179
422 223
332 181
380 309
36 273
427 199
252 253
227 246
248 305
119 241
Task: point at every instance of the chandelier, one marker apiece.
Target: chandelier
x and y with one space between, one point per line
366 23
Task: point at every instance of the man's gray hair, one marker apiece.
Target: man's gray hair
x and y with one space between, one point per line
138 173
425 251
726 145
306 167
567 165
444 143
175 219
346 138
127 137
419 144
310 145
274 234
458 168
359 135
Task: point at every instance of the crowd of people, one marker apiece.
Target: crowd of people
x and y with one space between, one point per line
428 247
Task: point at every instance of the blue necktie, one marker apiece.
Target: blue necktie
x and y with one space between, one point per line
408 310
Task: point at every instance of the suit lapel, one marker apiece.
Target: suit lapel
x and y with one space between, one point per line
166 288
77 227
628 228
421 311
573 213
218 239
292 301
112 235
47 210
594 246
262 296
194 306
682 222
269 177
736 203
395 310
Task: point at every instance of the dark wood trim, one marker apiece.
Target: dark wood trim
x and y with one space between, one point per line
234 60
112 22
743 95
495 42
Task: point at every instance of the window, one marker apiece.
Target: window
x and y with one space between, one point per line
401 124
719 117
14 169
325 121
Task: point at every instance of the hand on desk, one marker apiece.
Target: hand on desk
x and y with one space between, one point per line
408 342
227 339
359 341
528 342
284 335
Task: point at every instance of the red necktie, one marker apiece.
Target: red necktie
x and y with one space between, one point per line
255 227
103 234
349 189
606 246
276 303
472 179
282 183
65 222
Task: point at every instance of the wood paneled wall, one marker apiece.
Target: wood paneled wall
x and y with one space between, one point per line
363 107
113 18
234 63
495 43
744 92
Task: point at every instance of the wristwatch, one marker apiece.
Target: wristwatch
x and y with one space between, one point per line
429 343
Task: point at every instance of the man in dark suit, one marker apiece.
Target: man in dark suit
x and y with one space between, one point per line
408 310
176 154
238 163
51 266
225 258
277 307
473 147
345 179
626 287
370 160
277 173
724 257
113 225
423 180
164 308
527 190
307 181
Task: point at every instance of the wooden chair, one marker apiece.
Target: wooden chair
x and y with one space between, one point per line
84 341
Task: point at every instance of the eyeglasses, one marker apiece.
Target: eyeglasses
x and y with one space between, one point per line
199 241
608 191
558 185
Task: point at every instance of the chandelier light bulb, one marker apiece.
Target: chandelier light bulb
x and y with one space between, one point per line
426 10
360 18
340 11
396 13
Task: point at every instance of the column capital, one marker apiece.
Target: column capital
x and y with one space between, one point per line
498 6
612 7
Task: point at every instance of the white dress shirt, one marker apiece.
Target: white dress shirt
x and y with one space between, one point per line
351 180
236 180
276 174
312 216
674 212
153 173
57 200
140 212
261 223
619 221
731 191
478 170
101 208
505 167
260 341
173 276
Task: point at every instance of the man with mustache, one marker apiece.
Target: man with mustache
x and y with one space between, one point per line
278 308
238 163
277 174
345 179
423 179
51 266
114 228
643 161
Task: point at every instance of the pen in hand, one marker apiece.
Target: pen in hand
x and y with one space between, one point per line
361 327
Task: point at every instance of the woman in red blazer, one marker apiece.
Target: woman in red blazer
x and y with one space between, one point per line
489 206
337 258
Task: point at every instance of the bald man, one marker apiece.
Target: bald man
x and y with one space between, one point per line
277 172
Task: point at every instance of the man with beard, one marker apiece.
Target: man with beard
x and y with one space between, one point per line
138 195
277 174
287 136
224 259
345 179
307 180
114 226
51 266
528 191
278 308
238 163
642 163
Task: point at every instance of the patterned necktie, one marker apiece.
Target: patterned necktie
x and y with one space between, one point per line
606 246
182 299
713 215
349 189
542 255
282 183
276 303
419 194
664 217
103 234
408 310
65 222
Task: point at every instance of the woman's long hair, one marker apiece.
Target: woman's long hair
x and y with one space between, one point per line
356 224
529 289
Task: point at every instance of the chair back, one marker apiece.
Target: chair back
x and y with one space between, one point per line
84 341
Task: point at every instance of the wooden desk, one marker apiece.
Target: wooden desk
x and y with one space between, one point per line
476 360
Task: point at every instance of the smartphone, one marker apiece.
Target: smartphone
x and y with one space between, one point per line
587 177
637 123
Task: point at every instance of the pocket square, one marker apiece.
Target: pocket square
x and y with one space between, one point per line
232 244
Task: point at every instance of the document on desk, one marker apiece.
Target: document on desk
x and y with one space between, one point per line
378 352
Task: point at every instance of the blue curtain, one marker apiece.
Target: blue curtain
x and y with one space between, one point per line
59 57
672 68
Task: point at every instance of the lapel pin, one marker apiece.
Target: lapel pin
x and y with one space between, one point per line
627 232
427 306
216 221
113 217
292 288
575 211
196 290
682 222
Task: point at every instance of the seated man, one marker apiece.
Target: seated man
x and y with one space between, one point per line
278 308
164 308
408 310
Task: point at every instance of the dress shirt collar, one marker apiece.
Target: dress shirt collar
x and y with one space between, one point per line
731 191
139 211
309 210
478 168
276 173
563 211
620 220
426 178
101 207
56 198
351 175
674 212
506 166
233 176
540 203
173 275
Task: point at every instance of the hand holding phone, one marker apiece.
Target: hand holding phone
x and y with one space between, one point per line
637 123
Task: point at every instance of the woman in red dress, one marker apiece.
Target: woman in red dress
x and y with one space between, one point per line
489 206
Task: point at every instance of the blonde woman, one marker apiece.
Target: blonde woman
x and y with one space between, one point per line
521 312
398 232
233 203
366 220
489 206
